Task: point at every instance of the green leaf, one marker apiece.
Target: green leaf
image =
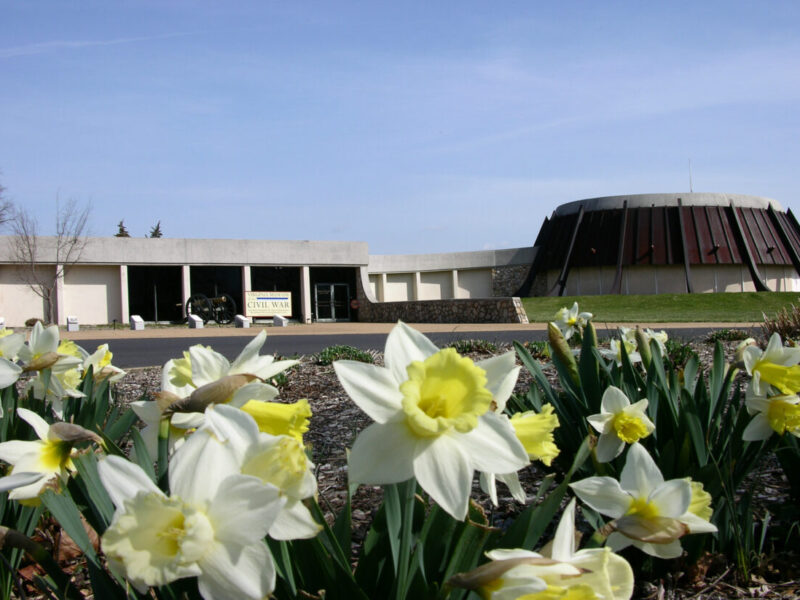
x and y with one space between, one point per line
121 426
93 489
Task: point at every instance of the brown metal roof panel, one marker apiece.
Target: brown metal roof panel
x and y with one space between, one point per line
720 239
702 236
643 225
790 228
753 238
660 234
780 256
731 238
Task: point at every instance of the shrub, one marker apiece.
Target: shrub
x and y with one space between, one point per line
468 346
726 335
679 352
785 323
343 352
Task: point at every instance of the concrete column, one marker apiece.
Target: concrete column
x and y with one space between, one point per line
61 309
455 283
247 286
382 288
417 285
187 283
305 293
123 294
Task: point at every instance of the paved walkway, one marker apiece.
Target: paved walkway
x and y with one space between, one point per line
354 328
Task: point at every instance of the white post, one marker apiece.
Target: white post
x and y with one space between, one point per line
187 284
417 284
382 290
305 292
123 294
247 282
455 283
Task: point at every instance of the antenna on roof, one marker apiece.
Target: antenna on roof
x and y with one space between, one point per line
690 176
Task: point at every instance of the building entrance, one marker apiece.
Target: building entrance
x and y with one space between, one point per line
332 301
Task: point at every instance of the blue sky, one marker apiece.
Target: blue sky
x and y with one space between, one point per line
413 126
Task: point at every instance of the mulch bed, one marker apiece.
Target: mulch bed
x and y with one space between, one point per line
337 420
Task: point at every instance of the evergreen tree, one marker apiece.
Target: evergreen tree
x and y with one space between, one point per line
155 232
123 231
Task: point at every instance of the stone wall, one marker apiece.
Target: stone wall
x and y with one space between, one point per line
507 280
462 310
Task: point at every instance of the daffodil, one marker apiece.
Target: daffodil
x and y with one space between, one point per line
614 351
776 366
205 366
10 344
535 432
211 527
619 422
560 572
570 321
277 418
279 461
102 369
648 512
49 457
433 418
775 414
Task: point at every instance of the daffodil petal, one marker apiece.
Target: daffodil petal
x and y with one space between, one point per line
244 509
493 446
17 480
514 487
207 365
564 540
510 553
609 446
697 524
405 345
255 390
614 400
249 353
757 429
247 574
13 450
672 498
218 461
489 486
381 454
666 551
124 479
372 388
294 522
603 494
232 427
444 470
9 373
640 474
40 426
501 377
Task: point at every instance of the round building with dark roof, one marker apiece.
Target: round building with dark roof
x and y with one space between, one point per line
666 243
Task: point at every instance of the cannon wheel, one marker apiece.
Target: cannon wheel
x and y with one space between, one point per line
200 305
224 309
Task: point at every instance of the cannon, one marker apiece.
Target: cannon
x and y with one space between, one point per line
221 308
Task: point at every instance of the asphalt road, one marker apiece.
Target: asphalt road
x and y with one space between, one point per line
129 353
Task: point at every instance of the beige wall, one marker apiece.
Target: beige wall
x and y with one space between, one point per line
93 294
18 302
436 285
399 287
475 283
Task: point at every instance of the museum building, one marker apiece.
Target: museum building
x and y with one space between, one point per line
636 244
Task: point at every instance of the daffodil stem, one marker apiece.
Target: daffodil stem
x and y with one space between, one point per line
407 491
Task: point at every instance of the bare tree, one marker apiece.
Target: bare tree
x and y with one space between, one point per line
44 260
6 208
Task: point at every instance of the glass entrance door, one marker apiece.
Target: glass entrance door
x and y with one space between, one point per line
332 301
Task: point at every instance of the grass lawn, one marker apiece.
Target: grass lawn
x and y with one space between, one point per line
746 307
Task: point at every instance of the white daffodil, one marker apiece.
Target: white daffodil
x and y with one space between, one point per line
535 433
648 512
619 422
10 344
776 366
276 460
206 366
100 361
212 527
433 418
561 572
775 414
614 351
570 321
49 457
